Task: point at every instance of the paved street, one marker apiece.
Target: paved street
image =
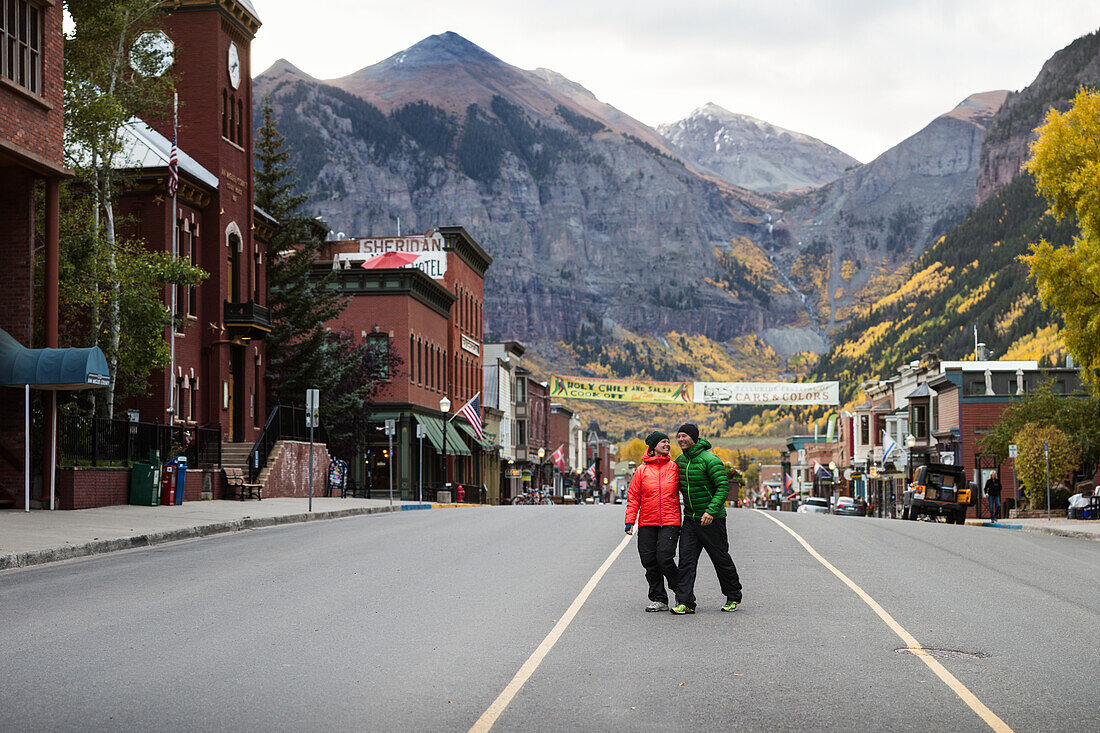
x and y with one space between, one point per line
420 620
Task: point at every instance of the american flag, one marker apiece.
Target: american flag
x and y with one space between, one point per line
591 472
173 170
472 412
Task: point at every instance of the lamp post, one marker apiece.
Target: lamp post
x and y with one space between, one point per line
542 454
444 407
910 443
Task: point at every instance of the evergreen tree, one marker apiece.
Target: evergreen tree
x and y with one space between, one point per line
302 353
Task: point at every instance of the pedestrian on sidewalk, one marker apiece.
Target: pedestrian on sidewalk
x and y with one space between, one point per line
653 503
993 493
704 485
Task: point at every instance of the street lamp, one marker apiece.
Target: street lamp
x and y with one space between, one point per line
542 454
444 407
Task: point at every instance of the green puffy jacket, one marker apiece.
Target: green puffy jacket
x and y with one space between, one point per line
702 482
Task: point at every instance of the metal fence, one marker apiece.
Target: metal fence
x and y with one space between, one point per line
96 441
284 423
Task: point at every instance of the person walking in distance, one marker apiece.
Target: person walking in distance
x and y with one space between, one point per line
653 503
704 486
993 492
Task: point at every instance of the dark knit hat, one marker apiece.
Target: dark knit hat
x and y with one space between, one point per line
654 438
691 430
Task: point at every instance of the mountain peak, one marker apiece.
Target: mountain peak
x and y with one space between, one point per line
282 67
442 49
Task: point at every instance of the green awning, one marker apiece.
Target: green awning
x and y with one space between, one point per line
434 427
469 430
51 368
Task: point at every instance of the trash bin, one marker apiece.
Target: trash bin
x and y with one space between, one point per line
180 463
145 481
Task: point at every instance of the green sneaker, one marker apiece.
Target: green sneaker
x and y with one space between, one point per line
680 609
730 606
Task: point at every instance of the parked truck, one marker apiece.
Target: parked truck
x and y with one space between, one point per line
938 490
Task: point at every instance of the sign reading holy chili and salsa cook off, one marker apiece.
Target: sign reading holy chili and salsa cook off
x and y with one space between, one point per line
709 393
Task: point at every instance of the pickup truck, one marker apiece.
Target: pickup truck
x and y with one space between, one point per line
938 490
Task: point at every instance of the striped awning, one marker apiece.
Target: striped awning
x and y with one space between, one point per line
434 428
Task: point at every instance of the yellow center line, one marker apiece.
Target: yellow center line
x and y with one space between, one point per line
911 643
489 717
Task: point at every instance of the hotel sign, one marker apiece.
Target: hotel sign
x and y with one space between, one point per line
468 344
432 260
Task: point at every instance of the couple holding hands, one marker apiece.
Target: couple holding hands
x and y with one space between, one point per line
653 507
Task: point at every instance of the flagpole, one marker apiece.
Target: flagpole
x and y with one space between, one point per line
175 253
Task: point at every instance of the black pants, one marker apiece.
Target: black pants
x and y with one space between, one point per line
657 550
694 538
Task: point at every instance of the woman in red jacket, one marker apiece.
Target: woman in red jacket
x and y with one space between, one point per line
653 502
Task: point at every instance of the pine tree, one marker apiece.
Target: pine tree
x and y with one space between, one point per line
302 353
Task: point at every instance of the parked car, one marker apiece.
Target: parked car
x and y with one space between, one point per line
814 505
938 490
848 506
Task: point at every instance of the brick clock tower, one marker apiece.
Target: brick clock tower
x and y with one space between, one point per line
213 75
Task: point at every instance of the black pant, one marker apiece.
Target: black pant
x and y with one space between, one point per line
657 550
694 538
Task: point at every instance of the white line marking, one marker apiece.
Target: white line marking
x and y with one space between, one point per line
914 646
489 717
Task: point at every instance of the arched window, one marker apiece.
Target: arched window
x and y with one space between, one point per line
412 358
240 122
225 113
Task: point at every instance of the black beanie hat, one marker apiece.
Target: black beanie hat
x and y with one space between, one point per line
691 430
654 438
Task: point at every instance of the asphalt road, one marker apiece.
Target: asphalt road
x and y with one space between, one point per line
419 621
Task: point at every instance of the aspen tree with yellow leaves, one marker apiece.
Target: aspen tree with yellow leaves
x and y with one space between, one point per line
1065 160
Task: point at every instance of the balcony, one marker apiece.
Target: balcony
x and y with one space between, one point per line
247 320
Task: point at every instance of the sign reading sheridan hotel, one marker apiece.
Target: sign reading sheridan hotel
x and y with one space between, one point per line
432 260
710 393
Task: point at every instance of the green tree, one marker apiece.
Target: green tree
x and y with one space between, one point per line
110 281
1065 160
1076 417
1031 459
302 353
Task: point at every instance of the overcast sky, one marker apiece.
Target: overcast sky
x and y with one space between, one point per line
859 74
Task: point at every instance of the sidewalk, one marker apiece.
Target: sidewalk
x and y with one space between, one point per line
1087 529
42 536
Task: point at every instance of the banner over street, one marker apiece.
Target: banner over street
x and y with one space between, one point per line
767 393
619 390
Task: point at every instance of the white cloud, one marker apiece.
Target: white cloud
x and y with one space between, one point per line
859 74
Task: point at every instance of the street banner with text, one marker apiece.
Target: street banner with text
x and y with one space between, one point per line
767 393
619 390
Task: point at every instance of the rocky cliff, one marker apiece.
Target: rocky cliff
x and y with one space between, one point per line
585 211
1012 130
752 153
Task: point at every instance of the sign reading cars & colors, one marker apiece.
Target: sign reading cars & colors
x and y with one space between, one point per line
709 393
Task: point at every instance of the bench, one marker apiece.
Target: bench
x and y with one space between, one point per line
235 480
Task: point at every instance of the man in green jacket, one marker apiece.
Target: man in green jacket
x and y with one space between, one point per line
704 486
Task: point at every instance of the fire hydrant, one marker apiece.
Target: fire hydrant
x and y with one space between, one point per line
461 494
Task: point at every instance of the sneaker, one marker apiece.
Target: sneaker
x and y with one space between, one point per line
730 606
681 609
656 606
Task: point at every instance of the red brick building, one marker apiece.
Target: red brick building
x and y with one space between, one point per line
31 127
219 352
432 312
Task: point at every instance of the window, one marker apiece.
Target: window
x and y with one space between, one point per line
21 37
521 432
378 350
935 413
240 122
918 421
257 380
864 429
520 392
225 114
257 266
180 293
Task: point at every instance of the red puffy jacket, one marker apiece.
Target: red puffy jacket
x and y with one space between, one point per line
654 493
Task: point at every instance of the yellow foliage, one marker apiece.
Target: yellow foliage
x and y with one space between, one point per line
866 341
1046 341
1013 314
926 283
848 269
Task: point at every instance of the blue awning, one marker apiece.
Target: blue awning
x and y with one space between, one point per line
51 368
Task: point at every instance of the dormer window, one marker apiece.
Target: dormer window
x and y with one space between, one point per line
21 39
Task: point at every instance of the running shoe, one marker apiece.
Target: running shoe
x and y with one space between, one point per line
730 606
656 606
681 609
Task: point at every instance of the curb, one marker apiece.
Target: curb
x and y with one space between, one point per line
101 547
1053 531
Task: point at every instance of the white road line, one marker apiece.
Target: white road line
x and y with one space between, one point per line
489 717
914 646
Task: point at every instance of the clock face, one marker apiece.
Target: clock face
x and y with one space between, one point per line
234 66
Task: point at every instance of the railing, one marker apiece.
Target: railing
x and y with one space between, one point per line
98 441
284 423
246 313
